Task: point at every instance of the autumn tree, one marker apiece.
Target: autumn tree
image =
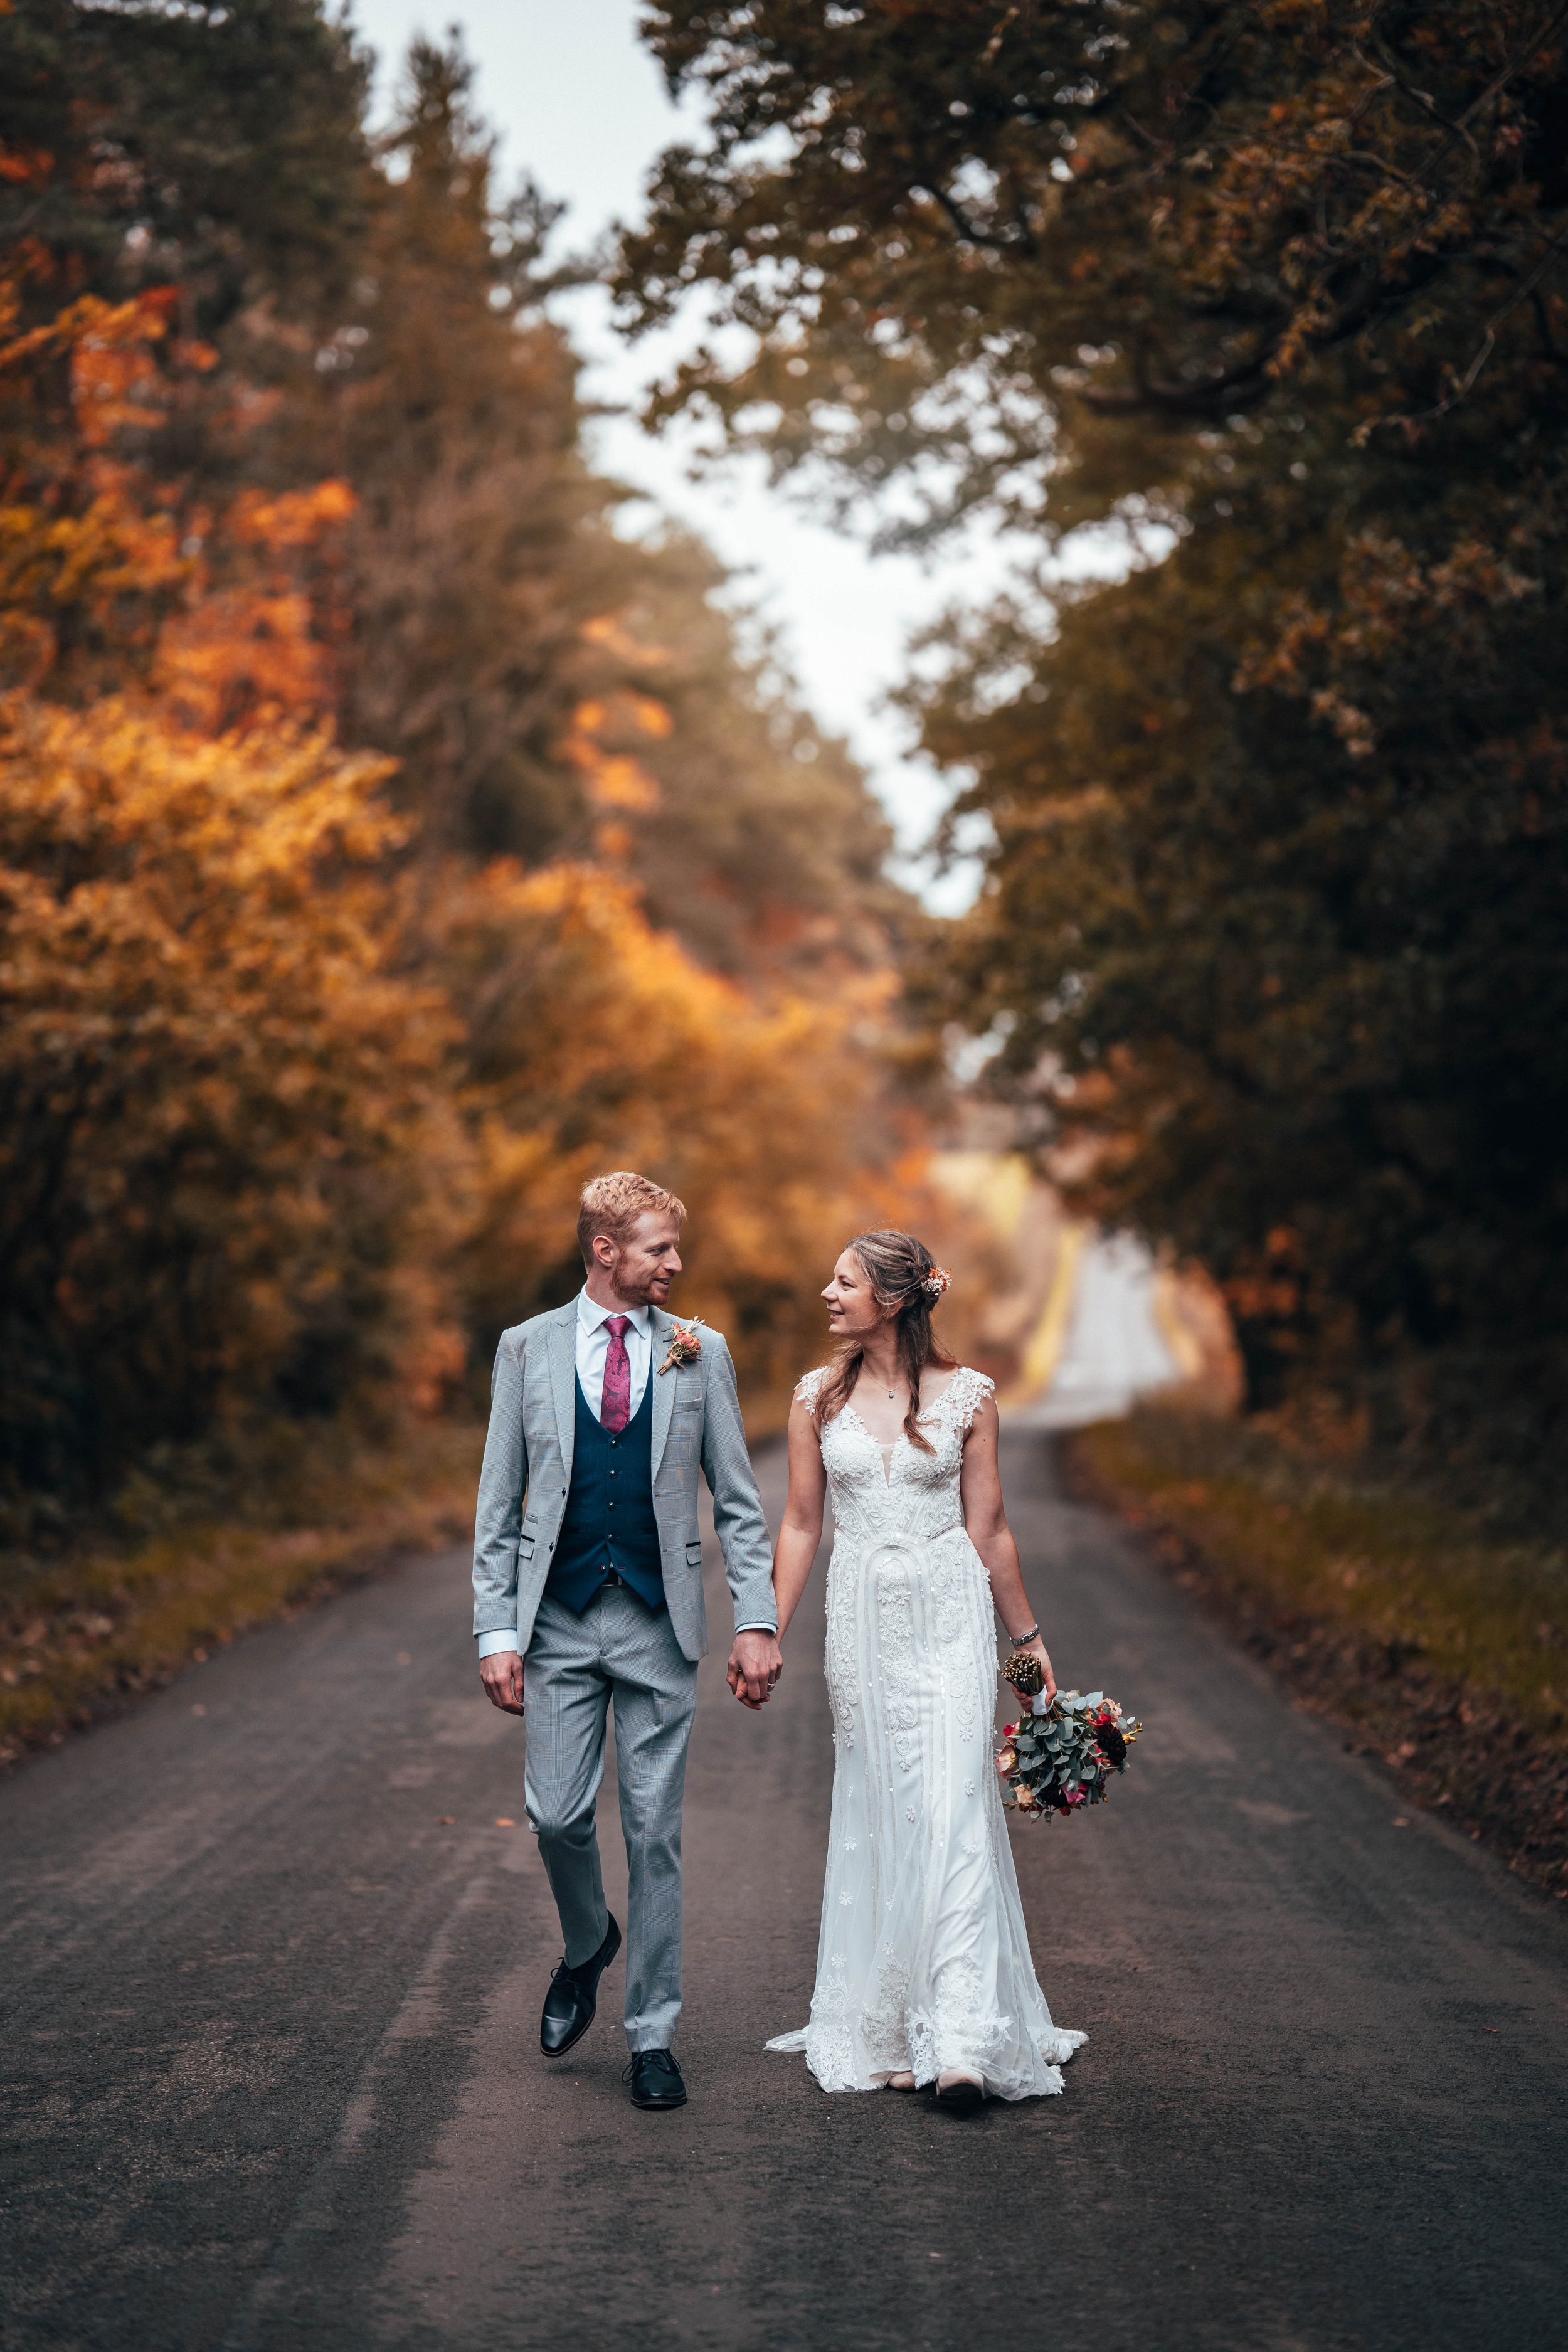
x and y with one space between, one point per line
548 687
221 1113
747 827
592 1038
1276 899
218 148
219 1108
366 804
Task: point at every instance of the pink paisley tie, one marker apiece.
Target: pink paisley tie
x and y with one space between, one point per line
615 1407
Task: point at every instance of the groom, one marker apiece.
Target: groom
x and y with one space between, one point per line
588 1585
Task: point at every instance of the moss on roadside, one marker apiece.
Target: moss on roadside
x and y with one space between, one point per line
110 1615
1442 1648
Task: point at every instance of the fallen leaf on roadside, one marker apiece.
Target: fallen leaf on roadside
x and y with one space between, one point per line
502 1822
446 1821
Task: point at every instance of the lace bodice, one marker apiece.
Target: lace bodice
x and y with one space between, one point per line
878 1490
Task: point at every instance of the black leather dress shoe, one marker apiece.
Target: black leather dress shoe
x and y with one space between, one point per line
654 2078
574 1996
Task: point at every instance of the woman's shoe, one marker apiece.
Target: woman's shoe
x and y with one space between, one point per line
959 2094
901 2082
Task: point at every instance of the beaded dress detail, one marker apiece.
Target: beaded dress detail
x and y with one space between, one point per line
923 1961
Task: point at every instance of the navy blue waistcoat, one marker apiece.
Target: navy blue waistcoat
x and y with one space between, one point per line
608 1521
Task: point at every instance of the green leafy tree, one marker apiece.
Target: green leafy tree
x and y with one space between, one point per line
1276 897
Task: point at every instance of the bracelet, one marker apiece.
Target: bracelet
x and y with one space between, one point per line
1018 1640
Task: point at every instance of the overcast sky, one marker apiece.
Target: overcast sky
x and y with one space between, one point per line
578 102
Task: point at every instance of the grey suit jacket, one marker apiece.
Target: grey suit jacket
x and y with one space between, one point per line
527 1469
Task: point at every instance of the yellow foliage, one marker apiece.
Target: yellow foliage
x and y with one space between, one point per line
614 780
291 1121
96 553
219 1109
596 1041
247 636
610 633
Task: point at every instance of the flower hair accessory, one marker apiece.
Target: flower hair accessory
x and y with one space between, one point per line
935 1280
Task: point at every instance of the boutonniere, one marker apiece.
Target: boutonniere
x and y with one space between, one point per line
685 1347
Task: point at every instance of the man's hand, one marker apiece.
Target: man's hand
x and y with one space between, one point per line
755 1664
501 1675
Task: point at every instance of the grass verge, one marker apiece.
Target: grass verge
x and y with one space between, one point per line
82 1631
1442 1650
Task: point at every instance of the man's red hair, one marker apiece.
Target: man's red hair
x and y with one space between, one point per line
612 1204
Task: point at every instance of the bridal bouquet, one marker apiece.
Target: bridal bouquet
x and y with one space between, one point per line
1061 1753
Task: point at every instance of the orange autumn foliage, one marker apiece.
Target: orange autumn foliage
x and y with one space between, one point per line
220 1110
82 559
594 1039
298 1079
250 635
111 572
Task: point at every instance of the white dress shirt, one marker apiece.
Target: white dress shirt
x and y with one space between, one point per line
593 1347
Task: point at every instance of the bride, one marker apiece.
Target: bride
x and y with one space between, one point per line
923 1973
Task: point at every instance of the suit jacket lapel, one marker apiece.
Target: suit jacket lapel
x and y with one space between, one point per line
563 1379
660 1325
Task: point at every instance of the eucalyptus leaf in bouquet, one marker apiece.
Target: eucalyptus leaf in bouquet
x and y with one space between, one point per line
1060 1754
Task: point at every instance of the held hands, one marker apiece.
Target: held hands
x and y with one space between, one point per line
755 1664
501 1675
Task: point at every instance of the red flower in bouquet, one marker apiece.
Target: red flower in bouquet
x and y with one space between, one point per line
1059 1757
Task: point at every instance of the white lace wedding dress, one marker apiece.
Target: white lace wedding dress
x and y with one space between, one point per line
923 1962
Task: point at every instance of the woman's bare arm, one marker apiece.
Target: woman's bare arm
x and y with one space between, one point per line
801 1530
985 1522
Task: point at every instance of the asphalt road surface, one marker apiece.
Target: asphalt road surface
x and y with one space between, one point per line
271 2075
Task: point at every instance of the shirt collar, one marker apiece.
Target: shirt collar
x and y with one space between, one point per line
590 1313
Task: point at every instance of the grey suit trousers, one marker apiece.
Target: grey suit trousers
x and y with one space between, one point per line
618 1649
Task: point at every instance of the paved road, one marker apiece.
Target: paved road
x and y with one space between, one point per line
271 2078
1113 1349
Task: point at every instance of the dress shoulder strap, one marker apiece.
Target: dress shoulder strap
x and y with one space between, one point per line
963 1396
806 1389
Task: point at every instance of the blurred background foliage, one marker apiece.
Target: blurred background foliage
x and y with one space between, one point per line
1270 947
386 841
385 845
389 840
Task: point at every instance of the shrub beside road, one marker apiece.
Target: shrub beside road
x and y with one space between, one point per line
1441 1647
90 1626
